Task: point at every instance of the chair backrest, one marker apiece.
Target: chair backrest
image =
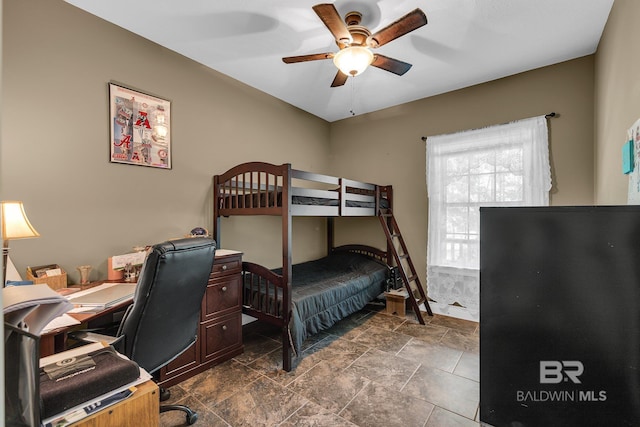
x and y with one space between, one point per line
164 318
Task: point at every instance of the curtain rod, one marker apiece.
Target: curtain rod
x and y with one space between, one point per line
546 116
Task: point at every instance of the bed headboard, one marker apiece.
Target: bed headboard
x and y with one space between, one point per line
369 251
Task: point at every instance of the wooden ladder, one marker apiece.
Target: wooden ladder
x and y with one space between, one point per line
396 245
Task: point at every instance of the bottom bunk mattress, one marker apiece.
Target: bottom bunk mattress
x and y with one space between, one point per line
329 289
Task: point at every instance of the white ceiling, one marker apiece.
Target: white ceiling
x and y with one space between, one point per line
465 42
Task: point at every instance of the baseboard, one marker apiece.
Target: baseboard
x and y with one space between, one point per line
455 311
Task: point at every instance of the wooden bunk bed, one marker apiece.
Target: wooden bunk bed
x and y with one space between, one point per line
306 298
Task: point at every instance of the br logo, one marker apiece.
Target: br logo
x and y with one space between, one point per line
557 371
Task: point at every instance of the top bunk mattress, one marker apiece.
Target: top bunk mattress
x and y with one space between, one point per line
274 199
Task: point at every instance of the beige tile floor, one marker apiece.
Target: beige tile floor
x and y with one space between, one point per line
370 369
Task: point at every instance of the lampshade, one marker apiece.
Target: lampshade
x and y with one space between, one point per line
15 224
353 60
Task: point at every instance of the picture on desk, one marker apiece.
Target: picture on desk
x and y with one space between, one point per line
103 296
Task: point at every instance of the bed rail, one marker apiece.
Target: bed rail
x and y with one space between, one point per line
267 297
253 188
258 188
265 294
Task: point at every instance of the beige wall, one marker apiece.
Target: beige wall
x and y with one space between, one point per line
617 95
58 60
389 148
54 149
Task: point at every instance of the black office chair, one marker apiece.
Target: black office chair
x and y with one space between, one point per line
165 316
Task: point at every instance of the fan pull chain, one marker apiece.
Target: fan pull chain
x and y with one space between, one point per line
353 89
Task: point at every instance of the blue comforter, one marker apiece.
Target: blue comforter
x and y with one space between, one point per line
327 290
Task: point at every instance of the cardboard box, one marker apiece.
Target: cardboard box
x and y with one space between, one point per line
56 281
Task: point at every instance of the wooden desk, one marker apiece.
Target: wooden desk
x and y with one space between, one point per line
219 334
142 409
55 341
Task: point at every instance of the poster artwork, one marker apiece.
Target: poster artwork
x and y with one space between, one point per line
140 128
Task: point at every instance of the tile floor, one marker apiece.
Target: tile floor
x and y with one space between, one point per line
370 369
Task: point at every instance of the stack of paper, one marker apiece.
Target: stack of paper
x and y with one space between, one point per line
60 322
32 307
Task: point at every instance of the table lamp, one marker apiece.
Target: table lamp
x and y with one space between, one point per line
15 225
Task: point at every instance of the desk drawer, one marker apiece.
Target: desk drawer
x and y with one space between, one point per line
221 336
221 298
226 265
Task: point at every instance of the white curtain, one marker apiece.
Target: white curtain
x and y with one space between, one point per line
503 165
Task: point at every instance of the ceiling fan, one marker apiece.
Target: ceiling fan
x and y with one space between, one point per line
356 41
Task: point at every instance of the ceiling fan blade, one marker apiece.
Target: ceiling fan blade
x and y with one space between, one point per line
340 79
402 26
389 64
329 15
304 58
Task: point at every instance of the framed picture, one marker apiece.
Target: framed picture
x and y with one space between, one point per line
140 128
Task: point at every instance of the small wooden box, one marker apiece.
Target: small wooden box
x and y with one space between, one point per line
396 301
54 282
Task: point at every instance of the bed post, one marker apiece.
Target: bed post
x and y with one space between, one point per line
389 190
286 267
330 234
216 216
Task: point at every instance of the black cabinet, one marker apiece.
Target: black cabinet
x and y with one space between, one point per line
560 316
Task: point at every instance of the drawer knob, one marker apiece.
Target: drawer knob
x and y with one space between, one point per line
224 289
224 267
224 327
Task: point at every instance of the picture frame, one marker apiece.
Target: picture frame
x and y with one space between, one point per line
140 128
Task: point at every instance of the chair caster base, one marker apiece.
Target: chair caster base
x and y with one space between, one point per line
191 415
164 394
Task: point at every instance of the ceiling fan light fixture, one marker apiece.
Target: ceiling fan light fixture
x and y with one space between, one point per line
353 60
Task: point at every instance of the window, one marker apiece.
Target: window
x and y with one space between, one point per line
504 165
